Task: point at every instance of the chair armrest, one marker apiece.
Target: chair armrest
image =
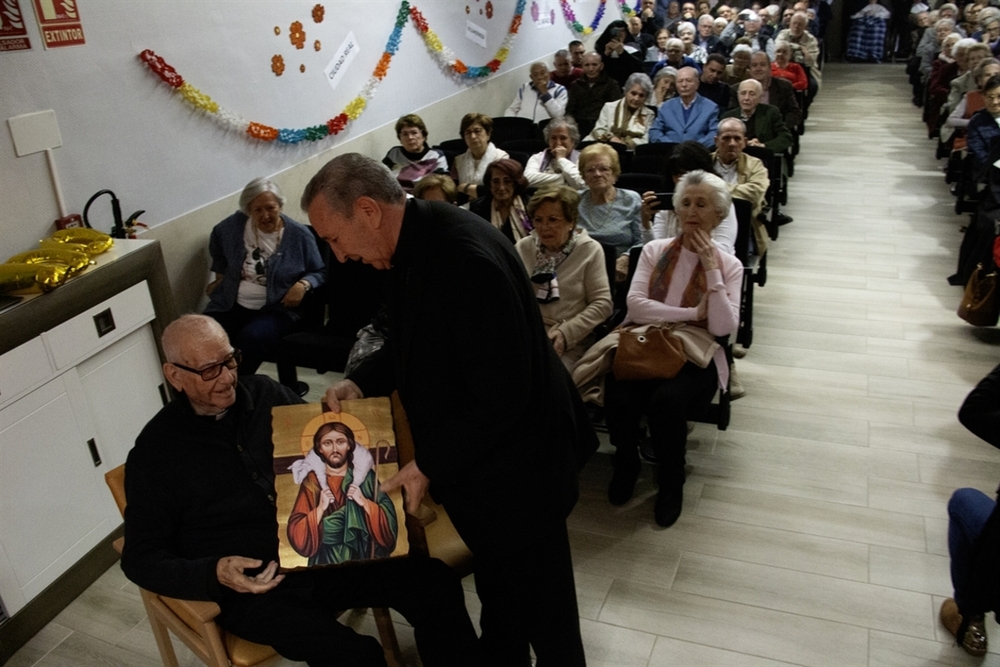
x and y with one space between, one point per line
192 612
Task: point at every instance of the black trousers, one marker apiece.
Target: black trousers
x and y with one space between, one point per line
256 333
524 572
667 404
299 616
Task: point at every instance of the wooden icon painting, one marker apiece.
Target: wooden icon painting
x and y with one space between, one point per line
328 470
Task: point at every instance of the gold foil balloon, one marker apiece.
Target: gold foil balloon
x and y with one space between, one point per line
96 242
73 261
46 277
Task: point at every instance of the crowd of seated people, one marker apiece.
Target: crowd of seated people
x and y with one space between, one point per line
565 172
953 70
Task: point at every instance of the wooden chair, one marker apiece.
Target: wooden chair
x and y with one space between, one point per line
193 621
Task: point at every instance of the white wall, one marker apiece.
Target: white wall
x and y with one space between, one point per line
125 130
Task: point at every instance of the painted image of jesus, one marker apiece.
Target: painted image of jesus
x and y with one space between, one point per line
341 519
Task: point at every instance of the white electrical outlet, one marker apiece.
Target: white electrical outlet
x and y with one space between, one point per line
35 132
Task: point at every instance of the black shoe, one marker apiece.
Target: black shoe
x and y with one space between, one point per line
783 219
623 478
669 501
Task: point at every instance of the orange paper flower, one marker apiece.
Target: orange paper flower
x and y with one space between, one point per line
297 35
277 65
318 12
262 132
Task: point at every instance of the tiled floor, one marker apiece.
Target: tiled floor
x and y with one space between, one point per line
814 528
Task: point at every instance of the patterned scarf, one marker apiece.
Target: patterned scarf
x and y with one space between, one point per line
546 262
520 225
623 117
659 281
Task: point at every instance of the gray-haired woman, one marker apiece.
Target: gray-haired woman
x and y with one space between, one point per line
626 121
556 165
688 281
264 264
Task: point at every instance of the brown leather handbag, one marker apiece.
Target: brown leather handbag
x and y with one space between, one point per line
653 353
980 303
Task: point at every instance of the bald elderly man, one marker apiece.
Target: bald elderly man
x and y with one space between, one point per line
540 98
764 124
201 523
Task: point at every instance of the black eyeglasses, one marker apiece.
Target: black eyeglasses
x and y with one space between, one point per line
209 373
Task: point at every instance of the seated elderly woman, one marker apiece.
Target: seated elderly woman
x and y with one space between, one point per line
568 272
664 86
739 70
413 158
436 187
264 263
689 282
476 129
686 33
686 157
626 121
966 81
503 204
557 164
784 68
675 58
971 102
658 52
983 140
611 215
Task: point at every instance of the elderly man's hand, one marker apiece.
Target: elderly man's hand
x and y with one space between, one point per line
229 572
754 142
344 390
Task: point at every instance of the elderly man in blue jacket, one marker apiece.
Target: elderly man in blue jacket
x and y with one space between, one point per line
687 117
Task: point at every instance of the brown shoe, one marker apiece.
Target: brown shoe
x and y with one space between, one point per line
973 640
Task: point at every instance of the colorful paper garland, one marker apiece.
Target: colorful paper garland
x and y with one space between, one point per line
445 57
577 26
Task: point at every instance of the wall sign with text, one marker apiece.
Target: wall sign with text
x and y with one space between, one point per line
59 21
13 34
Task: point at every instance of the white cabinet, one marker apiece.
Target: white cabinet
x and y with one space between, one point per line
72 402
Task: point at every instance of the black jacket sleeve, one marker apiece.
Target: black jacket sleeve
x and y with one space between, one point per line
980 413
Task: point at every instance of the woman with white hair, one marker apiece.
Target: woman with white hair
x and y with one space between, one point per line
626 121
692 284
264 264
931 43
675 58
686 33
664 86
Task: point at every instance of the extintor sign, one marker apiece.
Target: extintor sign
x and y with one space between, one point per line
59 21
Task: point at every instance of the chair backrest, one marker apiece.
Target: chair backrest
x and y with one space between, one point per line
640 182
655 148
770 159
529 146
744 228
115 479
454 146
509 128
520 156
647 164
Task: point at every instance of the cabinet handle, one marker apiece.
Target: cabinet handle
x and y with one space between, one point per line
93 452
105 322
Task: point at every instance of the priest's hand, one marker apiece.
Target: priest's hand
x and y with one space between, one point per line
229 572
413 483
342 391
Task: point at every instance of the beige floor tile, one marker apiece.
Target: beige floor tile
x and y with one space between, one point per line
779 357
909 497
910 570
806 594
920 391
954 472
611 646
38 646
813 517
937 536
674 653
82 650
734 627
625 560
765 546
889 650
591 591
787 422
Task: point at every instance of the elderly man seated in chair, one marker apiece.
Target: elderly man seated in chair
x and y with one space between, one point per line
201 523
764 125
745 175
687 117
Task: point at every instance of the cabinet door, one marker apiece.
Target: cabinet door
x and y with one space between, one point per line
52 507
122 387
